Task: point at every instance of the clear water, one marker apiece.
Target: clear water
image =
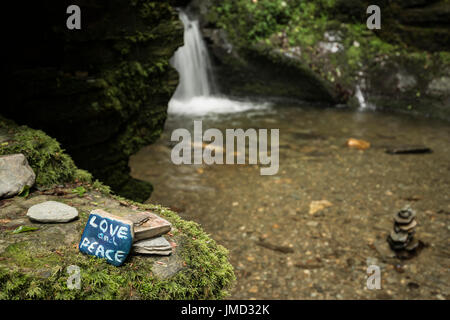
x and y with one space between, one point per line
239 207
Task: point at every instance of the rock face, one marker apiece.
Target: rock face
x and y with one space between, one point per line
101 91
404 67
424 24
52 212
257 70
15 174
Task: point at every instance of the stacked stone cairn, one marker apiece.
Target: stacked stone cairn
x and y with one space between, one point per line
401 238
149 229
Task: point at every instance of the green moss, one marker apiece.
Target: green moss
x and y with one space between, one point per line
33 272
44 154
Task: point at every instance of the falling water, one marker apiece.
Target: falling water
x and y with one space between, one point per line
193 63
364 105
196 93
362 102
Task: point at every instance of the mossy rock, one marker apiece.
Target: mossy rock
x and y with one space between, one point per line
44 154
323 49
101 91
33 264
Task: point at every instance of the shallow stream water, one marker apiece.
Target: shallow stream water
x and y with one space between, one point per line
278 248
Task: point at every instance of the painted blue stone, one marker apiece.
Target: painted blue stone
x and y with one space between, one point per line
108 238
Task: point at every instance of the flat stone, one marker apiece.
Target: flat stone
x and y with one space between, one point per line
159 246
408 227
154 252
15 174
405 216
108 237
399 236
52 212
148 225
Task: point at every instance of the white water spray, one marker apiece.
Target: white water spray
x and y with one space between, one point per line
364 105
361 100
193 63
195 93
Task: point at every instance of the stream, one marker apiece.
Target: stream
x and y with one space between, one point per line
331 248
311 230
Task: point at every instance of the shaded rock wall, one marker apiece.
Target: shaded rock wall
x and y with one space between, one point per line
102 91
246 70
404 67
424 24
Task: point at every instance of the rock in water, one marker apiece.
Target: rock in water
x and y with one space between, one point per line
158 246
316 206
401 239
408 149
52 212
358 144
15 174
107 237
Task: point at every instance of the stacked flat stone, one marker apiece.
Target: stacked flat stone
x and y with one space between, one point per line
149 230
402 237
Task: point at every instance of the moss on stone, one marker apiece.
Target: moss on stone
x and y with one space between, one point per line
44 154
409 45
33 266
102 93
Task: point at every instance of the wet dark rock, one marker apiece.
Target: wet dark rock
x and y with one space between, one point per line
401 239
408 149
413 285
274 247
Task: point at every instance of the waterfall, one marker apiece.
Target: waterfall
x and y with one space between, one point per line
364 105
360 97
196 94
193 63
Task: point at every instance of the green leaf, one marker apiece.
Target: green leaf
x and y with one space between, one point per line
24 229
80 191
24 192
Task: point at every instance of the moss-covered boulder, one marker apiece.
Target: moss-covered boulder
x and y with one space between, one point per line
34 257
327 53
247 68
44 154
102 91
33 264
